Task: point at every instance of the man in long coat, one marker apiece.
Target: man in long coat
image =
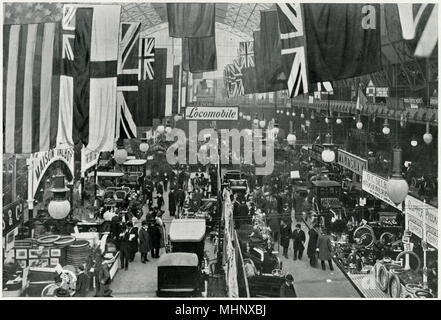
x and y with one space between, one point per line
133 239
144 242
312 246
124 247
105 280
325 250
172 202
299 239
285 236
155 239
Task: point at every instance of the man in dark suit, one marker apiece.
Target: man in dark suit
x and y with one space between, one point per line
299 242
172 202
133 240
124 247
155 239
180 199
105 280
144 242
81 284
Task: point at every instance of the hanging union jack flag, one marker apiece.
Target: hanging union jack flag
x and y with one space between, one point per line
127 85
293 47
418 22
128 66
146 59
236 82
246 54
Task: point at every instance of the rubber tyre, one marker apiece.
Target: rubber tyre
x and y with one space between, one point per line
403 253
384 234
65 241
370 231
48 240
383 278
394 286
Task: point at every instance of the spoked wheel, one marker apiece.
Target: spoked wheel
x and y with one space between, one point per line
388 237
365 235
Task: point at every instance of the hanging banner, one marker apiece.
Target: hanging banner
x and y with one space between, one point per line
424 215
382 92
12 216
88 159
377 186
413 103
41 161
352 162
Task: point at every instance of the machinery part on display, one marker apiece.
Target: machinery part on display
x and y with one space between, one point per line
48 240
65 241
49 290
388 237
410 253
365 235
411 289
79 244
383 278
423 294
77 253
277 272
394 286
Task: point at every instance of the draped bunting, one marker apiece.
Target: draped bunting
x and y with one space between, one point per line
199 54
191 20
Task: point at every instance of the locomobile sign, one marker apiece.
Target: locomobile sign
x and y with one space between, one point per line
212 113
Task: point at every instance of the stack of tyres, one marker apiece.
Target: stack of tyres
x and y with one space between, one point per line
78 253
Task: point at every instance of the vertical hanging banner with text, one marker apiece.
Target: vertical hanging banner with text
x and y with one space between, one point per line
422 216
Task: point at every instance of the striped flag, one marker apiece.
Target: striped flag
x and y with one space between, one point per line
89 75
246 53
146 59
419 21
293 47
31 55
128 72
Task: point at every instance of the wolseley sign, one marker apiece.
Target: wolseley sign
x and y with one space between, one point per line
211 113
352 162
377 186
423 214
41 161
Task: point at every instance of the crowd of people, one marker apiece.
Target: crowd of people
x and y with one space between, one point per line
285 213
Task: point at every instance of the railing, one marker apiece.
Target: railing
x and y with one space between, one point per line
242 280
229 250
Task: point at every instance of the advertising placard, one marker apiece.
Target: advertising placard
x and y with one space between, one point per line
211 113
377 186
352 162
